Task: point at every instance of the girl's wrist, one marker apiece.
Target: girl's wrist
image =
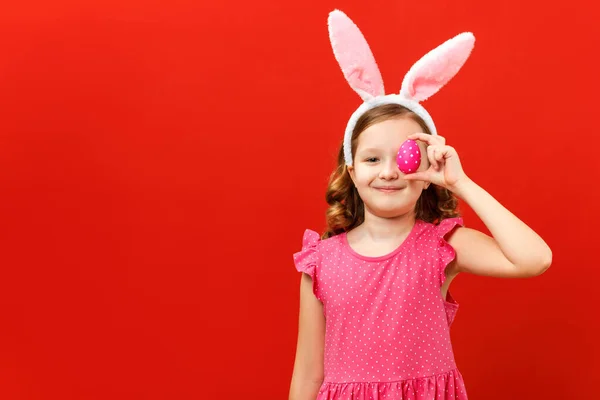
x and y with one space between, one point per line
462 187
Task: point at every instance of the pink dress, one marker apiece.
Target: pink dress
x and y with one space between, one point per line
387 325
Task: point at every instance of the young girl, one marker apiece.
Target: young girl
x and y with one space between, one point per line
375 308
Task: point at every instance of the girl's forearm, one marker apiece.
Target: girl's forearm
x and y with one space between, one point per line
304 389
521 245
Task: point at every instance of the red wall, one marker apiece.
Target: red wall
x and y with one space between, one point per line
159 162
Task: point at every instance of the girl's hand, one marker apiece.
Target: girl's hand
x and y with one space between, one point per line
445 169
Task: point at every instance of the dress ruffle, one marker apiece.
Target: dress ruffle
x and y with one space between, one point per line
446 386
447 255
308 259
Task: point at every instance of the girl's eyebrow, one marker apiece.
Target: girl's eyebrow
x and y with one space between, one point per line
370 149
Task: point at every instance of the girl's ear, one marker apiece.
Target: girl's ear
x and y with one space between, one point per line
350 169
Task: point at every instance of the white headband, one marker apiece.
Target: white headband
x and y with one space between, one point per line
424 79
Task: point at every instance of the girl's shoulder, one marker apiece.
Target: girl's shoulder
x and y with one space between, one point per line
438 231
307 259
311 240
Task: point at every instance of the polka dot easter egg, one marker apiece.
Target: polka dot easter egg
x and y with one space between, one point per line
409 157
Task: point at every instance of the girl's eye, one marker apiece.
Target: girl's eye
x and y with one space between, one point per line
371 159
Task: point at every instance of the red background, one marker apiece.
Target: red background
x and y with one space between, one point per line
160 160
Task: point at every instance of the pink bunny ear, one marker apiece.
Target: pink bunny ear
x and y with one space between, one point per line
352 52
436 68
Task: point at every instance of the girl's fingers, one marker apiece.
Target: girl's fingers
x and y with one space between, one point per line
429 139
432 158
418 176
439 154
424 137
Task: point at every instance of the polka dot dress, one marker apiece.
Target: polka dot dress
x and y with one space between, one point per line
387 325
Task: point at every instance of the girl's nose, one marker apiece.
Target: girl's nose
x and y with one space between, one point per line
389 170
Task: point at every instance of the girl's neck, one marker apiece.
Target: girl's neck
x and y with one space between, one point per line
380 229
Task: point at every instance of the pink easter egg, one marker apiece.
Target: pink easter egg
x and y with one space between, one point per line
409 157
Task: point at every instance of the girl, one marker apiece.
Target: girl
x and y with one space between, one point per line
375 306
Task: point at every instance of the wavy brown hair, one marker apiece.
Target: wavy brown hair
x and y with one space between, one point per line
347 210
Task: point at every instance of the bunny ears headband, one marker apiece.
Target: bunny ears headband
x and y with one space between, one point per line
424 79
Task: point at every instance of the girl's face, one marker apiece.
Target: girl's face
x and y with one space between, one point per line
375 172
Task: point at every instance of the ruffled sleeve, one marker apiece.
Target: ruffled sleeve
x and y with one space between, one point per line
446 255
308 259
446 251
